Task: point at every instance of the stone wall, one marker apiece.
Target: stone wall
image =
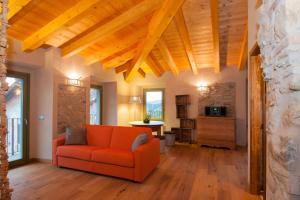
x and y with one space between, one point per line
279 39
5 191
219 94
71 111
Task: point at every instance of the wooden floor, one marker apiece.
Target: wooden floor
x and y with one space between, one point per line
185 172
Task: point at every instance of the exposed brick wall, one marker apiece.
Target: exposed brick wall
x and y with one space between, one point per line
71 109
219 94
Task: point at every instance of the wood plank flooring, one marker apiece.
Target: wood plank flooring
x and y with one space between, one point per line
185 172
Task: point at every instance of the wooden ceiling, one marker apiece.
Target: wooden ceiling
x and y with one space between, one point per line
137 36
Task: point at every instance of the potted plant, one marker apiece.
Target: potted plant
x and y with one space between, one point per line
147 118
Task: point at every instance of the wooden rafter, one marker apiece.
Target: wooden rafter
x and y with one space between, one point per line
154 65
244 51
122 68
167 56
115 47
119 59
184 34
157 26
15 6
40 37
141 73
91 37
214 7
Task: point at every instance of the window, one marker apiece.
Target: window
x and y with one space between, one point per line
154 103
95 105
17 109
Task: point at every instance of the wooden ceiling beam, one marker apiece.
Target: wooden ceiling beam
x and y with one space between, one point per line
90 37
167 56
214 7
244 51
122 68
42 35
184 34
154 65
15 6
141 73
157 26
119 59
115 47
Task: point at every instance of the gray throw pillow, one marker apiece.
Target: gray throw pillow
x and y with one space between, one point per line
139 140
75 136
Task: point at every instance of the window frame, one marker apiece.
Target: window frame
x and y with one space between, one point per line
100 88
26 116
145 90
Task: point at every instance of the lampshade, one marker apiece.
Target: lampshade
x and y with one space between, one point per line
135 100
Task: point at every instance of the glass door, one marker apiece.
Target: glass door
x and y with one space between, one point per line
17 107
96 105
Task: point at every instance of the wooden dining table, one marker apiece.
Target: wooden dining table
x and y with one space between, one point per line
154 125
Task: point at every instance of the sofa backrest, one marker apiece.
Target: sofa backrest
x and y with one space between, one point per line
123 137
98 135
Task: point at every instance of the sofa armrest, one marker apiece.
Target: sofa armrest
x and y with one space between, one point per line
56 143
146 158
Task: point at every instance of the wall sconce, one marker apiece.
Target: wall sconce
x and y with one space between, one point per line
73 78
73 82
203 88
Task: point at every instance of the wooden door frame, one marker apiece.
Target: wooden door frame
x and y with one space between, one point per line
26 116
257 172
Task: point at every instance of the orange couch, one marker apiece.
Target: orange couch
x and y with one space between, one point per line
108 151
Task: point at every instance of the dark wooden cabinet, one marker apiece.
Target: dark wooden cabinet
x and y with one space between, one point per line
216 131
182 103
183 100
181 111
185 131
188 123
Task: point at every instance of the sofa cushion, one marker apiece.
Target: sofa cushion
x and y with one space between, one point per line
99 135
82 152
123 137
139 140
75 136
113 156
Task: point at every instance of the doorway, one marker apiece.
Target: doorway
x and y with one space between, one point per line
17 112
257 125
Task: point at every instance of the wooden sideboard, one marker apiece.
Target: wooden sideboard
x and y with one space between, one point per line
216 131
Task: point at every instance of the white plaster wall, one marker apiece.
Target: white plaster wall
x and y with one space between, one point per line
43 102
252 23
32 60
110 101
